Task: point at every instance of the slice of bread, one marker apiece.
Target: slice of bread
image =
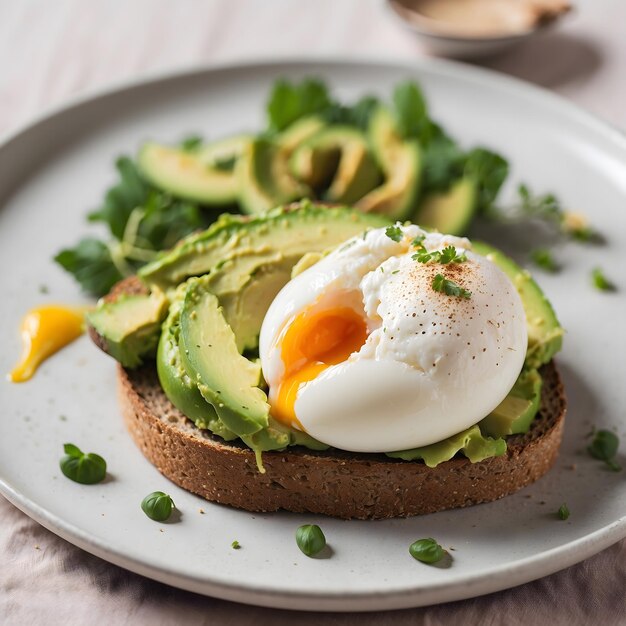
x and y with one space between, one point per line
333 482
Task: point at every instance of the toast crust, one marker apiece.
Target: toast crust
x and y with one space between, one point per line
336 483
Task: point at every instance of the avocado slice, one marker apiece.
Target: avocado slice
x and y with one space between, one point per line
208 351
245 308
516 412
182 392
223 154
300 131
450 211
265 180
341 150
545 334
186 175
130 325
283 233
401 163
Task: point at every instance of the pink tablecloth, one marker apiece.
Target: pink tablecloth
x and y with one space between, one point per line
51 50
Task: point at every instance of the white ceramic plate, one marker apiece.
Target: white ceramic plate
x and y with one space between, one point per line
54 171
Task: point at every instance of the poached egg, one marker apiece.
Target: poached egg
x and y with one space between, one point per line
362 352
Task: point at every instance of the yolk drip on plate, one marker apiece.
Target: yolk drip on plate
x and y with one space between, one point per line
311 343
45 330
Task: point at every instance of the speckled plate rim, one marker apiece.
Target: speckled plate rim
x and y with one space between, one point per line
497 578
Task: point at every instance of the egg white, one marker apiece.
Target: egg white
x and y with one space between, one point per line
432 365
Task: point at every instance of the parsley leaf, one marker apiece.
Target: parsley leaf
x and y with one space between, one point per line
604 448
601 282
450 288
394 232
543 258
91 264
191 143
289 102
489 170
410 111
128 193
418 242
443 162
449 255
563 512
445 256
357 115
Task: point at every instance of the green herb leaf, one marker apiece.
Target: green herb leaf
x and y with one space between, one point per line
289 102
157 506
543 258
601 282
563 512
426 551
357 115
310 539
394 232
91 264
450 288
604 448
443 161
411 111
235 545
87 469
191 143
449 255
489 170
418 242
122 198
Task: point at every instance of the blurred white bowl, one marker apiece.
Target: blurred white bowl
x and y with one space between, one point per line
476 28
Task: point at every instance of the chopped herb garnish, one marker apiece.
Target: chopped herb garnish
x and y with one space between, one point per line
442 284
604 448
418 242
394 232
395 271
191 143
87 469
235 545
601 282
157 506
43 289
426 551
543 258
563 512
310 539
445 256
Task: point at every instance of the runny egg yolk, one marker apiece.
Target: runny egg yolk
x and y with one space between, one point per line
45 330
311 343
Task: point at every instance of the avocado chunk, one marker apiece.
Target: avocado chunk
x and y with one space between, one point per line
208 350
341 150
401 163
130 325
264 178
545 334
516 412
285 233
245 308
449 211
298 132
182 392
223 154
471 442
263 174
185 175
